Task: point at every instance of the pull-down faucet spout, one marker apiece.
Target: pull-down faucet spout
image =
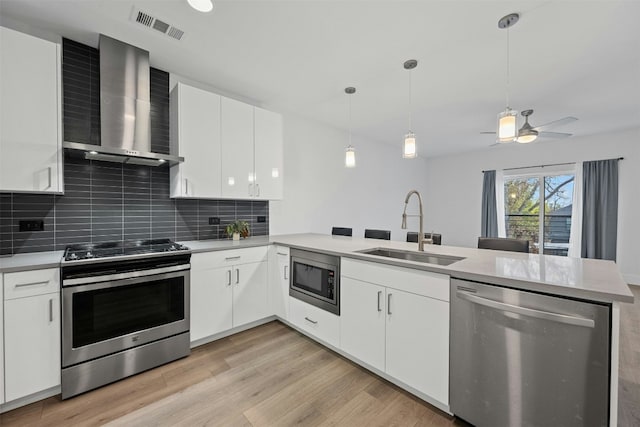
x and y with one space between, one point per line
421 239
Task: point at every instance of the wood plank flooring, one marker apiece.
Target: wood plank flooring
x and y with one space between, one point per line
274 376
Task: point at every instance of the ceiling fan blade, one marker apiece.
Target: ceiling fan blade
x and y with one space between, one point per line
559 122
554 134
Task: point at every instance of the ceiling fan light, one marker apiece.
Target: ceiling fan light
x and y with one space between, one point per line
350 157
507 126
201 5
527 136
409 147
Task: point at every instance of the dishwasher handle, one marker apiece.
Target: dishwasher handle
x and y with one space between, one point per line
555 317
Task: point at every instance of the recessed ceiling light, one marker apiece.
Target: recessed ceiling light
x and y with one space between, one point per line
201 5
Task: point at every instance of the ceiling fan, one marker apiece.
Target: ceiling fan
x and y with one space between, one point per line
528 133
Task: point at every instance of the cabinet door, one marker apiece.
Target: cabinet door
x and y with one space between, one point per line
362 323
237 149
30 122
268 154
279 293
418 342
250 292
1 343
211 301
196 137
32 345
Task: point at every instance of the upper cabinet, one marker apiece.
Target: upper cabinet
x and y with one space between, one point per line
30 114
237 149
268 154
195 135
231 149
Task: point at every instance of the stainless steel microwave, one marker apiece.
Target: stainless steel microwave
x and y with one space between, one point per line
315 279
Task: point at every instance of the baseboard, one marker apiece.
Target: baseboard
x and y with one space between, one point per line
26 400
231 331
632 279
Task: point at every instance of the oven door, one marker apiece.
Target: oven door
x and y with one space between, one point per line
110 316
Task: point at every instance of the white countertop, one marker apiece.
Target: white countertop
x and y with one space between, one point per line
31 261
596 280
572 277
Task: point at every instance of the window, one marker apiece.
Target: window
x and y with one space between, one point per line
538 205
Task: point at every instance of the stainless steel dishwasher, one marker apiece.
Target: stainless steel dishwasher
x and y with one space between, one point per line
526 359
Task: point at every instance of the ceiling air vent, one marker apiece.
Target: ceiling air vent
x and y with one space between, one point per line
154 23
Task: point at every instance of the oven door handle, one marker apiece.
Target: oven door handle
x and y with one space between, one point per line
126 275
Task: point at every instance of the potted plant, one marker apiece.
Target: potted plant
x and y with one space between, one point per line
238 229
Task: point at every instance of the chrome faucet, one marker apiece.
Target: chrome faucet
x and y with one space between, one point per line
421 239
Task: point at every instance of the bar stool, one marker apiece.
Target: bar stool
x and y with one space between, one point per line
377 234
341 231
412 236
503 244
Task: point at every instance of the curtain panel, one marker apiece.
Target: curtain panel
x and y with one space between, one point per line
489 217
600 209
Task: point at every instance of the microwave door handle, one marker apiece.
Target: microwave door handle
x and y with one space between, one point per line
539 314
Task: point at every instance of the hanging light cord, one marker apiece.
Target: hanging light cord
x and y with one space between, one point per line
508 70
410 109
349 119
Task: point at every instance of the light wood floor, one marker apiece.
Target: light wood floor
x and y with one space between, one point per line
273 376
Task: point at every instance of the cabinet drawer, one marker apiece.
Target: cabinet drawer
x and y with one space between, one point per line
315 321
30 283
217 259
426 283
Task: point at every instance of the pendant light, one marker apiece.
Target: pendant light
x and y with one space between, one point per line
409 149
350 152
507 128
201 5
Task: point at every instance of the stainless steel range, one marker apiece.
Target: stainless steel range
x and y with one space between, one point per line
125 309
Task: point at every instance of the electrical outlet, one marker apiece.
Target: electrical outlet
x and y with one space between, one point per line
31 225
214 220
262 218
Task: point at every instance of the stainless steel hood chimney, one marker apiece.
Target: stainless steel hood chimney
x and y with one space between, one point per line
125 108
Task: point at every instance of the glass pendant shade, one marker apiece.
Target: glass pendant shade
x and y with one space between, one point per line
350 157
507 129
409 147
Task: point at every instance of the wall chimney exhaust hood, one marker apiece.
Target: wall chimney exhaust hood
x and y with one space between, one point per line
125 108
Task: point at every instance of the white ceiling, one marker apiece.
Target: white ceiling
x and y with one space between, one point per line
568 58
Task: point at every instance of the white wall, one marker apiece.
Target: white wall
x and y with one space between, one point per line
319 192
455 182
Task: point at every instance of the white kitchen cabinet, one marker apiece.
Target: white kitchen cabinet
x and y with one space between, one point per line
362 326
250 292
237 149
315 321
397 320
229 288
417 351
279 281
268 154
31 332
1 340
195 135
30 114
211 297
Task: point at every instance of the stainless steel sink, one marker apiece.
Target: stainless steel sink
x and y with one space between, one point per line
425 257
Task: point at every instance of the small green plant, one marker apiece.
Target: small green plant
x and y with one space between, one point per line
238 226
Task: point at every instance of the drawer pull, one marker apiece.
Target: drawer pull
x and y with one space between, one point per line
282 253
315 322
231 258
24 285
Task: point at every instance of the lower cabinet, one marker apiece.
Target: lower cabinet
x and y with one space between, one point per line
31 332
279 281
395 322
316 321
228 289
1 340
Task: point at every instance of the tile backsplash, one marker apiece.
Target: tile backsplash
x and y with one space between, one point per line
109 201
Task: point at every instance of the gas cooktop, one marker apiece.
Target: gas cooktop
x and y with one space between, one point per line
121 248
